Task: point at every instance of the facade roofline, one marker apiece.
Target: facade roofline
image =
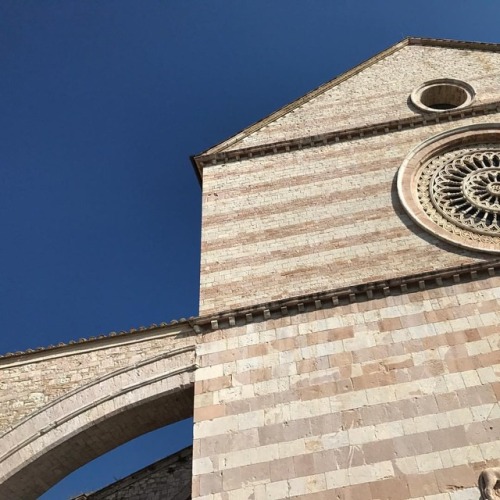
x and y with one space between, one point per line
340 135
198 159
361 292
452 44
100 341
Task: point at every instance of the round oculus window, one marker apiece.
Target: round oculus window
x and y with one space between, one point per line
442 95
454 191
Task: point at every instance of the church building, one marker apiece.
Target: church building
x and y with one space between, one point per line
347 343
350 249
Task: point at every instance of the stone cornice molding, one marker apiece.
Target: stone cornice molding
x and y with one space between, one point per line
452 44
427 42
104 341
356 133
273 310
348 295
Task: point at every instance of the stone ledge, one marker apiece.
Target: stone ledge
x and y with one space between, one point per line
304 303
356 133
347 295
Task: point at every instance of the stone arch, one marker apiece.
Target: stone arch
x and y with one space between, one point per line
85 423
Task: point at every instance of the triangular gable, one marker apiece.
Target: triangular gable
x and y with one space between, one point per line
232 141
282 125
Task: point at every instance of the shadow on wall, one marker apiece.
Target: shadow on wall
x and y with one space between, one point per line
424 235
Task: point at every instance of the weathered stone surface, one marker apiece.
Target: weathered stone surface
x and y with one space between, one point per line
388 398
64 407
167 479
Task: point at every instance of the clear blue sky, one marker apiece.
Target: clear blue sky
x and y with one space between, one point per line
102 103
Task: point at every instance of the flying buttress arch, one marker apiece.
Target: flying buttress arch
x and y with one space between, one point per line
87 422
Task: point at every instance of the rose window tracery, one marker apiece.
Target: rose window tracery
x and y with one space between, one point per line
463 187
450 186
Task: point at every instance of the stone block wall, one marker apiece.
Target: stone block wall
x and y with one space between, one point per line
65 406
391 398
31 381
167 479
315 219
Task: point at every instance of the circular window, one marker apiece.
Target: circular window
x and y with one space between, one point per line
442 95
463 187
450 186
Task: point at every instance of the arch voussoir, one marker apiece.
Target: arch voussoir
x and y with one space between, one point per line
87 422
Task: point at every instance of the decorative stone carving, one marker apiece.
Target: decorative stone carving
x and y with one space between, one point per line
450 186
463 187
489 484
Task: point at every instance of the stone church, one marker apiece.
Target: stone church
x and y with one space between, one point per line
347 344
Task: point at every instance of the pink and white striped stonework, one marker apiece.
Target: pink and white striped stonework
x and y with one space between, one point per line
391 398
351 352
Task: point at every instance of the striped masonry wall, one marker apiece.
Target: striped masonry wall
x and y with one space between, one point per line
315 219
393 398
380 92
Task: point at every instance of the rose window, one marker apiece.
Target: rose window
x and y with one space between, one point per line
450 186
464 188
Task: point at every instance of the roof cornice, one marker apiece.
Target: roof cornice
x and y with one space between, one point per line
361 292
376 129
428 42
452 44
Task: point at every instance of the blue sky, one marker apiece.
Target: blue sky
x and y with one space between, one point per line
102 103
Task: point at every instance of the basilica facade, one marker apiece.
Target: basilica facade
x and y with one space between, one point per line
347 344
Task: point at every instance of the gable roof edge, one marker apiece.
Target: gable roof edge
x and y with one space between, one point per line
429 42
302 100
454 44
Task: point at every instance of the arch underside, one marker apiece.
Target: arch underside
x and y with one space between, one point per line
85 423
43 471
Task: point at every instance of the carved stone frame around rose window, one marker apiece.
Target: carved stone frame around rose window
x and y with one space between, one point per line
461 138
